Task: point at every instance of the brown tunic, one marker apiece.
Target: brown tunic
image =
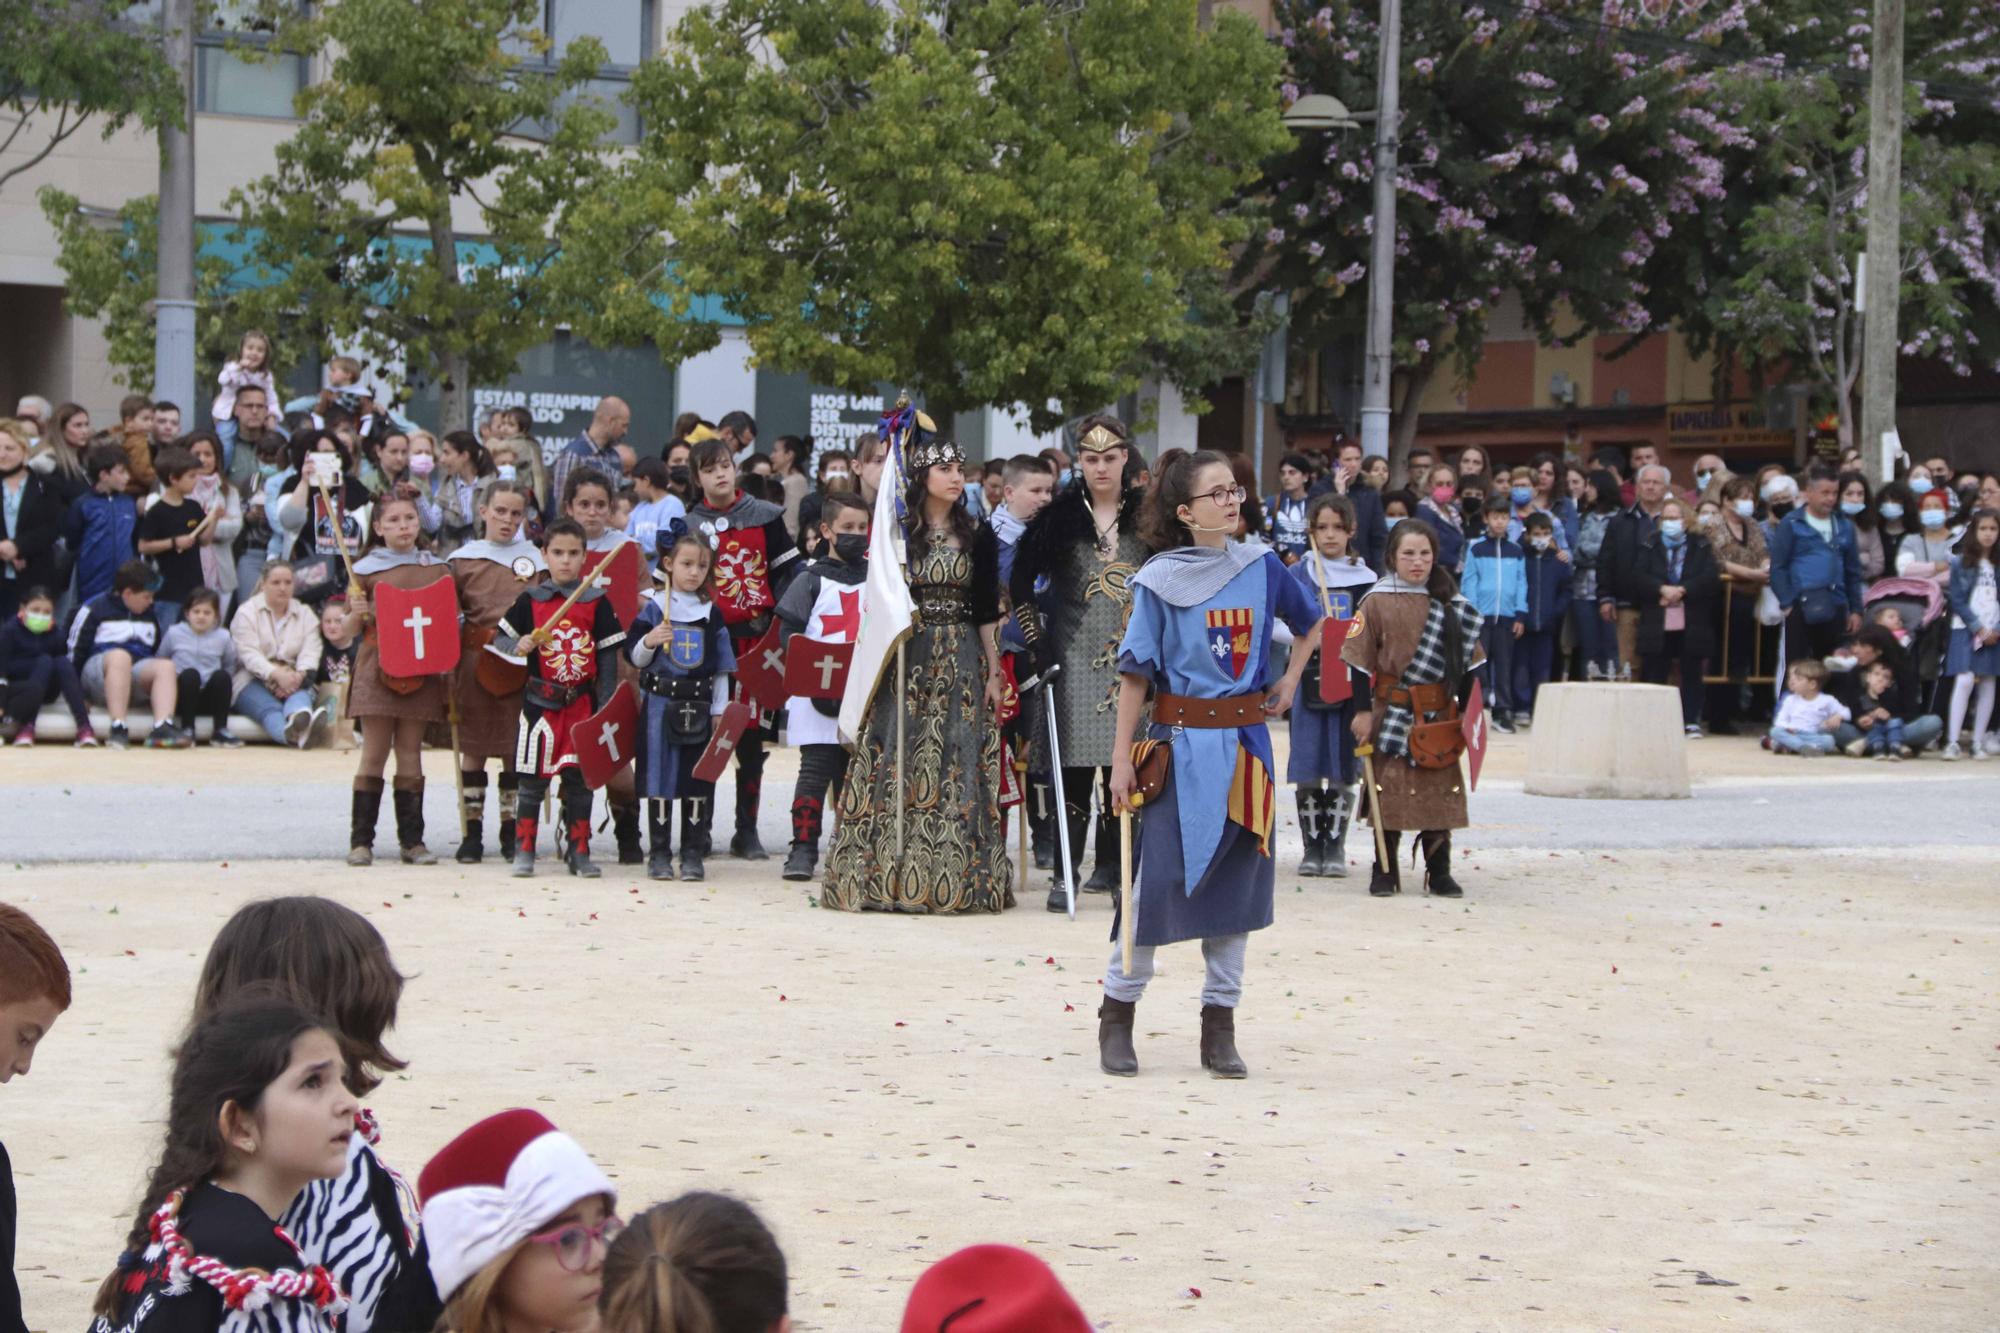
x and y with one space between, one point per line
367 696
1381 641
486 721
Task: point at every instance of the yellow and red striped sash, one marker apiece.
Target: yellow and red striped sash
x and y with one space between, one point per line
1253 798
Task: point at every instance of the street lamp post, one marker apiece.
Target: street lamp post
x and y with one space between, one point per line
1322 112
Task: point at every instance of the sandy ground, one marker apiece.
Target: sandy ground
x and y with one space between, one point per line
1614 1088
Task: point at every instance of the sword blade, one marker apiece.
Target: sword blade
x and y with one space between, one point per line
1062 805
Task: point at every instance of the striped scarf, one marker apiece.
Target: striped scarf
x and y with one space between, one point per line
1429 664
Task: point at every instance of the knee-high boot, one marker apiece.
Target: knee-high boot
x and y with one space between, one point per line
659 839
1437 864
746 844
507 807
1077 817
1312 831
367 808
1337 808
1383 881
1104 879
808 814
697 819
576 822
625 828
528 802
409 802
473 802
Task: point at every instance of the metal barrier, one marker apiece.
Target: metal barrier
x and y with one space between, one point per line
1760 674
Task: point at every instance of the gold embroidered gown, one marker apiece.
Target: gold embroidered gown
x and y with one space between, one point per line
954 855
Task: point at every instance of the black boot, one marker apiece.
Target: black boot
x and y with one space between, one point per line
1218 1043
625 828
409 803
367 808
1105 878
1383 881
696 814
1041 829
1437 864
804 854
1312 813
509 803
473 802
1114 1038
1337 808
660 840
746 845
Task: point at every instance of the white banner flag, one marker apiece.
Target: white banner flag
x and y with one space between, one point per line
886 609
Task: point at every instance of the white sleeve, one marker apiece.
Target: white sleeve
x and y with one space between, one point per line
721 697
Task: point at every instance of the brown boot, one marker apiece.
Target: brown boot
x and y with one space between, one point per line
1114 1038
1218 1043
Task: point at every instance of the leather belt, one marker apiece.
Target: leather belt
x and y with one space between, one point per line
1185 710
1433 698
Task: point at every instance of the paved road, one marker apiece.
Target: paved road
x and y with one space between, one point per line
223 822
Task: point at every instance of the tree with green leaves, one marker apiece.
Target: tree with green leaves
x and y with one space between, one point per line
65 64
1544 153
990 202
422 114
1779 285
110 269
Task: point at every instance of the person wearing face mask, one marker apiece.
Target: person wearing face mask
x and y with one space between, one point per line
1547 578
1596 635
1816 570
1709 475
1617 595
31 518
1738 542
1857 505
1675 583
1896 518
1439 507
1926 553
1781 496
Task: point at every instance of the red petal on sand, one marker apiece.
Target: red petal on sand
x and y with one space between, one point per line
1069 1008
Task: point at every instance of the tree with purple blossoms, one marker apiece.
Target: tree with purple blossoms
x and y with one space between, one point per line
1782 290
1539 154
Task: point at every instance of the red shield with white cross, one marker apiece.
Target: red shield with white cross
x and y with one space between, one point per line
416 630
730 725
619 568
607 740
816 670
1474 725
760 671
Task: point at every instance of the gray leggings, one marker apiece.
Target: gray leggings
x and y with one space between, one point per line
1223 955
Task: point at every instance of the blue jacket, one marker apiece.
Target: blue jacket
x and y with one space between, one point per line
20 646
103 531
1495 579
1801 559
103 622
1547 580
1958 591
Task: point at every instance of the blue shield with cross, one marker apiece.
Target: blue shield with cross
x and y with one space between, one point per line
685 648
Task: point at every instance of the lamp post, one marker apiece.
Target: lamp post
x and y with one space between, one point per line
1321 112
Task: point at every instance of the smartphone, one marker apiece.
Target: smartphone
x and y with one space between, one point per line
323 469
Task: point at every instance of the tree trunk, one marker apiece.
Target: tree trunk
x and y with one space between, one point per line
1403 434
454 379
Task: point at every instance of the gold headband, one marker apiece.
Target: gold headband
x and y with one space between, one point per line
1100 439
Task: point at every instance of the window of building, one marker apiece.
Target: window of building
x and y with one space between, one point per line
627 28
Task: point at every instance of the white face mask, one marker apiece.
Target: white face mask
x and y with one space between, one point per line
505 472
1744 508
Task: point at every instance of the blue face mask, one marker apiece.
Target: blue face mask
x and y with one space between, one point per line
1701 480
1919 485
1851 507
1890 509
1931 518
1673 530
1521 495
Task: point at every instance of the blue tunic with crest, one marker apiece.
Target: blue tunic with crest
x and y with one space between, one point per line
698 646
1200 874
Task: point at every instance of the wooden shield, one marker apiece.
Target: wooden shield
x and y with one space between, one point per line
607 740
621 569
417 629
1335 685
816 670
1474 725
729 728
760 671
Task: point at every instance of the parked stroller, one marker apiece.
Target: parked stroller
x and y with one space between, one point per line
1920 602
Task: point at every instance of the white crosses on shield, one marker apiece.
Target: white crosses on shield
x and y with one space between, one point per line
826 666
415 623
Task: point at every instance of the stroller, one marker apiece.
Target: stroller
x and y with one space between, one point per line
1921 604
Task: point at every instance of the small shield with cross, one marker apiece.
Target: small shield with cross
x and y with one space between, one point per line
729 728
760 671
607 740
816 670
416 629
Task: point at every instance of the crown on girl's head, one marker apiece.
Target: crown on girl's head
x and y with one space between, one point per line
936 450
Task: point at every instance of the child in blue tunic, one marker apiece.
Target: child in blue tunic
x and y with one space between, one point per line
1200 638
681 647
1323 766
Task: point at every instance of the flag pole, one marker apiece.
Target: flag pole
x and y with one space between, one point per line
902 785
